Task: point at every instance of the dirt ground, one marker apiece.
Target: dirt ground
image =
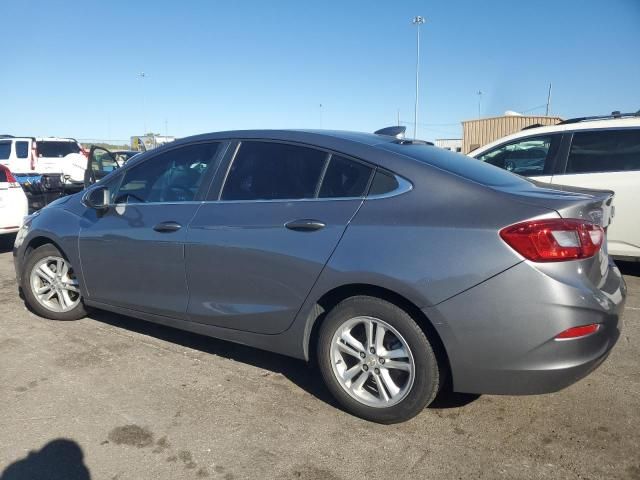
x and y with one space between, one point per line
110 397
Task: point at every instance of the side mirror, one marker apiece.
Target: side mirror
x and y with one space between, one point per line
97 198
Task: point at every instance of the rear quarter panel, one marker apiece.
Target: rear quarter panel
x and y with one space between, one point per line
430 243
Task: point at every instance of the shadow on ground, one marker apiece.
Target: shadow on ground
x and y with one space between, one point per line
629 268
60 459
301 373
6 242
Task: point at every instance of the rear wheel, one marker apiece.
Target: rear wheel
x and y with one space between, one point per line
376 360
50 286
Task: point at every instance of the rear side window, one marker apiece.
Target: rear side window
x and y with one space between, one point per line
22 149
5 149
528 156
383 183
604 151
344 178
273 171
56 149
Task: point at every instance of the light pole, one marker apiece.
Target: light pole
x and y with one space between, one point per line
479 102
142 76
417 21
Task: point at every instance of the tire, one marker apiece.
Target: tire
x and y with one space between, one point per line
74 310
395 395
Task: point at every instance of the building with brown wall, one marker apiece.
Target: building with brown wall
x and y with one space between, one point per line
476 133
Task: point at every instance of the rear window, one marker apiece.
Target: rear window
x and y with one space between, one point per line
54 148
22 149
5 149
466 167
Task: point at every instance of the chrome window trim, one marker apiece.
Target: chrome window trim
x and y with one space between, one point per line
404 186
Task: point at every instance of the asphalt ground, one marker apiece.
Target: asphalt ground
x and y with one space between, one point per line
111 397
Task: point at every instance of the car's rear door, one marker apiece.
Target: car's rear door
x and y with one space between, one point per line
609 159
132 255
271 222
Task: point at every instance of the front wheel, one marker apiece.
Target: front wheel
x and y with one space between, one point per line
376 360
50 286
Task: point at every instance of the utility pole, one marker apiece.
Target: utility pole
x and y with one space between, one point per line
142 76
418 22
320 115
546 113
398 117
479 103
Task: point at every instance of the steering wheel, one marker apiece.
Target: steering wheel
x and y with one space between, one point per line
187 194
125 198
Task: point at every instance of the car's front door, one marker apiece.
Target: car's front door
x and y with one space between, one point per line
132 255
100 163
255 249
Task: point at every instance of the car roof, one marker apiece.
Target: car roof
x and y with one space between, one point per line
559 128
315 137
55 139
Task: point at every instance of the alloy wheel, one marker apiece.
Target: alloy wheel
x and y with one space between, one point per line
372 361
54 284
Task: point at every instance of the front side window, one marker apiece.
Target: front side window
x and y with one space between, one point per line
22 149
273 171
5 149
528 157
604 151
174 176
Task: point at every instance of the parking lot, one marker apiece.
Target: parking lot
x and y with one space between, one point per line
145 401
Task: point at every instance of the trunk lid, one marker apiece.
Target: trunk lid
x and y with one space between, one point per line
569 202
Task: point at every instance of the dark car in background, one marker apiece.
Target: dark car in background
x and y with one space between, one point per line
398 266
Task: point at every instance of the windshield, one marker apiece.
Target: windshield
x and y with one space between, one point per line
458 164
57 148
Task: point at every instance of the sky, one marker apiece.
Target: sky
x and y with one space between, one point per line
72 67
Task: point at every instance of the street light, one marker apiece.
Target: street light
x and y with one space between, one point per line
417 21
142 76
479 102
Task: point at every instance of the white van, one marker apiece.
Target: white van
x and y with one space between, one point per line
44 155
590 152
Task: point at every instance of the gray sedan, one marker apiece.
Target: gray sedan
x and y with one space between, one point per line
397 266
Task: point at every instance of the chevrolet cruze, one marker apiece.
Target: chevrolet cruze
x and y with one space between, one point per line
394 264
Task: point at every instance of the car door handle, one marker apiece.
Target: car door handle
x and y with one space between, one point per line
304 225
167 227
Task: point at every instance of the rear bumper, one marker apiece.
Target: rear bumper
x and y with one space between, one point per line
500 335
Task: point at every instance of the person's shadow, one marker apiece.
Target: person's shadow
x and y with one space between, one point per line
60 459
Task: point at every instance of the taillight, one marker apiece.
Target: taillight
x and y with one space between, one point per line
578 332
554 240
11 180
